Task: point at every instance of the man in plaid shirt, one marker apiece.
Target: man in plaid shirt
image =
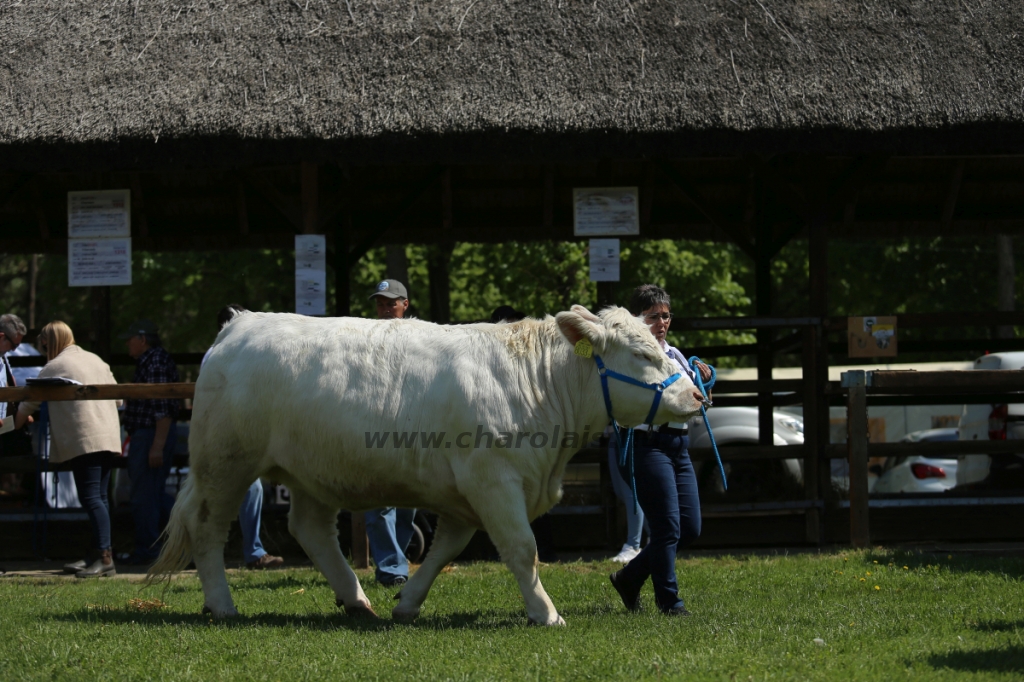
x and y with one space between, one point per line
150 426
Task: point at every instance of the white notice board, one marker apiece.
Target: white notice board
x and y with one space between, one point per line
101 213
604 260
311 274
99 262
605 211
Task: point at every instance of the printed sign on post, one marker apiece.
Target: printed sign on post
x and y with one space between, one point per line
605 211
311 274
99 262
872 337
99 238
103 213
604 260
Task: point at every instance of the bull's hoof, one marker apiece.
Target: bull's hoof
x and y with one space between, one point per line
559 621
404 616
207 611
357 611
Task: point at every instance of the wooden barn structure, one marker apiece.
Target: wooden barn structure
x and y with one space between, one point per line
240 125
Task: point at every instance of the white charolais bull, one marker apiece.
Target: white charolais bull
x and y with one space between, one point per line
296 398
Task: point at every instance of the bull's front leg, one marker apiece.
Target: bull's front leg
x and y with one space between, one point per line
450 539
501 506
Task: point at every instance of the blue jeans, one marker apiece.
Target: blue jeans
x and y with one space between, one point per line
92 479
666 487
634 514
389 531
249 521
151 505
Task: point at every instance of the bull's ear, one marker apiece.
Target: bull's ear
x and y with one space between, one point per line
576 327
585 314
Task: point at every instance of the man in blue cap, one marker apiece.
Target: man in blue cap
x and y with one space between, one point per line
389 529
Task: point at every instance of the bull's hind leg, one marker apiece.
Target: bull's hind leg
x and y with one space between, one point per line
450 539
208 516
315 526
501 507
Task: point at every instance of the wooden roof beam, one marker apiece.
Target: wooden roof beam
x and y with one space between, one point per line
735 231
375 236
274 197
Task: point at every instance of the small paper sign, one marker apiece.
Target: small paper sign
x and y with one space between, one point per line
310 274
872 337
604 260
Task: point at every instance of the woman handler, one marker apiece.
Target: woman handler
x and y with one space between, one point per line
666 486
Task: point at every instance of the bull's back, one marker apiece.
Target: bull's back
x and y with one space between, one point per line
302 394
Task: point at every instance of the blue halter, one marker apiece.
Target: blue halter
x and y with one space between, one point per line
626 445
626 448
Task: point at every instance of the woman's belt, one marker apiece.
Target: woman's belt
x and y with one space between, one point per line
660 429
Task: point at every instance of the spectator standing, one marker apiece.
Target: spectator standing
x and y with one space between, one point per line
85 437
12 331
666 486
150 427
251 511
388 529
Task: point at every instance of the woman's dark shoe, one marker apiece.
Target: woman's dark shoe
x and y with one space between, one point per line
101 567
677 611
630 596
75 567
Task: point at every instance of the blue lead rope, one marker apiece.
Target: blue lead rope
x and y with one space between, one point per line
704 388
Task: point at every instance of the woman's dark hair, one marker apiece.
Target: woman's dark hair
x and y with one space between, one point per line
646 296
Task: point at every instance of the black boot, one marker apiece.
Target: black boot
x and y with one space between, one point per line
102 566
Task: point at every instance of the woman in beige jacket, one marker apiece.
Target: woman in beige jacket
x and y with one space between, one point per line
85 436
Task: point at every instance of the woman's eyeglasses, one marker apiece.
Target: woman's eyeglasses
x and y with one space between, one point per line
654 317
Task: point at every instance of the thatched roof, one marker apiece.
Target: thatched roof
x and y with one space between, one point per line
474 77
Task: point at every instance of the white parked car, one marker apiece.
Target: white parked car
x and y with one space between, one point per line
993 422
917 474
749 480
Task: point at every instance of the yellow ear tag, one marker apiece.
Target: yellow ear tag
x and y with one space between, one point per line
584 349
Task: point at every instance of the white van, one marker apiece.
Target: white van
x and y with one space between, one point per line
991 422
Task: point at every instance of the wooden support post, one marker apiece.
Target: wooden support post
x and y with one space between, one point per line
817 478
765 336
139 207
438 258
815 437
101 321
342 264
310 185
857 449
548 219
605 294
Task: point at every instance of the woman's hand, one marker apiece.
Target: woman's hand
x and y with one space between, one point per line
22 418
705 371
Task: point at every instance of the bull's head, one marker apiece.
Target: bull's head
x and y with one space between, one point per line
626 346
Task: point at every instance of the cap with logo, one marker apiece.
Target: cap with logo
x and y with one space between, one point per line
140 328
390 288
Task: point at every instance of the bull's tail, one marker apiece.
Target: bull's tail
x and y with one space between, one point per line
177 550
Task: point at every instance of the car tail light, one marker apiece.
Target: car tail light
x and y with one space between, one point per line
997 423
927 471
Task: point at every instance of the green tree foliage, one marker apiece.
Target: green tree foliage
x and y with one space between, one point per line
182 292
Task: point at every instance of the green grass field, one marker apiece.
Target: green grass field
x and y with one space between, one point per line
855 616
